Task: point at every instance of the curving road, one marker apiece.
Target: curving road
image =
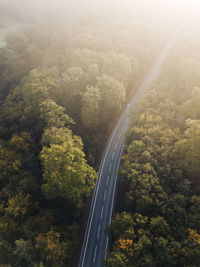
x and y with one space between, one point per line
95 244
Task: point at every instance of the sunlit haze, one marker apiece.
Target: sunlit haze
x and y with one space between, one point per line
100 133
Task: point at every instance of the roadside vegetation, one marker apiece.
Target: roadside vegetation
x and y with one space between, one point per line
158 201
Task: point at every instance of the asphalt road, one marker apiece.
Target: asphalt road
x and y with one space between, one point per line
95 242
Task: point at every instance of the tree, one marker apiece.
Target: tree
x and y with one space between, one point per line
121 224
51 249
117 66
65 171
22 109
113 96
188 150
25 55
52 115
19 207
23 252
91 108
116 259
72 80
190 108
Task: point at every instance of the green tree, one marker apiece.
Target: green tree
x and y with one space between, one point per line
52 115
66 173
91 108
113 96
23 252
190 108
116 259
188 150
117 66
22 109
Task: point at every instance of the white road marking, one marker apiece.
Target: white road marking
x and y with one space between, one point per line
106 247
110 167
116 145
120 135
98 231
95 253
102 212
113 154
107 180
104 196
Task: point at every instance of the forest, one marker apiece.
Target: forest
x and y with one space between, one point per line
65 78
158 201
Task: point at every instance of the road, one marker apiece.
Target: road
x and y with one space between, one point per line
95 244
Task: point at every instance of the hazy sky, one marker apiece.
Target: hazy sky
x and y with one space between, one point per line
99 9
109 5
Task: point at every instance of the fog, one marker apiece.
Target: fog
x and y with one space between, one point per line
29 10
69 70
167 13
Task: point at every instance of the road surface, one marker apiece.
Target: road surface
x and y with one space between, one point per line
95 244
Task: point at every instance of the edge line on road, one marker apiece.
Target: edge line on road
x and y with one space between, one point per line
95 253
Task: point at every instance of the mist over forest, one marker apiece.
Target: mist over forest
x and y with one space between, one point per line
68 72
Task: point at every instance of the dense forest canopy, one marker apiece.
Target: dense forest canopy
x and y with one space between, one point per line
158 202
67 70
